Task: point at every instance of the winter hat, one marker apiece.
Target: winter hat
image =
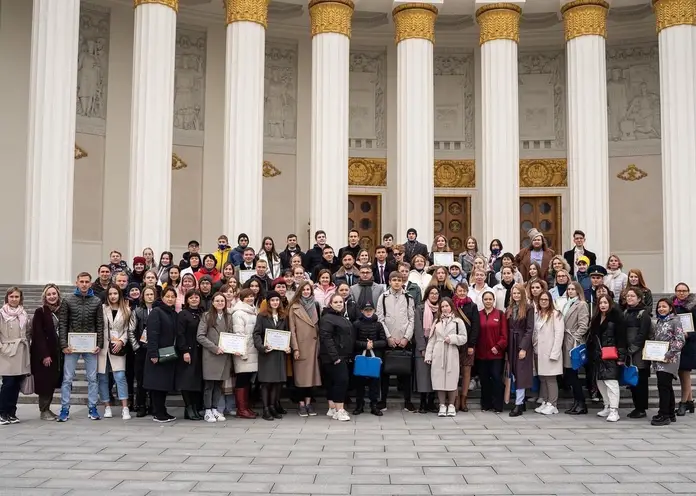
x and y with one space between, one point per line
242 235
533 233
139 260
276 281
272 294
584 259
411 230
204 279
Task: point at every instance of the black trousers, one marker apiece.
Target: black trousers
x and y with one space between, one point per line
570 377
336 381
404 382
666 392
9 394
372 384
492 387
590 379
130 372
640 392
159 399
243 380
139 358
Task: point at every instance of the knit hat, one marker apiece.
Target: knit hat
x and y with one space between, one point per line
205 278
584 260
272 294
533 233
139 260
242 235
411 230
456 264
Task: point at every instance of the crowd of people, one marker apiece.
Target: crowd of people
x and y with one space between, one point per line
521 325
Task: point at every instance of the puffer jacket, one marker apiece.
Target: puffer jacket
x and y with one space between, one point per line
243 322
638 330
610 332
372 329
336 337
81 313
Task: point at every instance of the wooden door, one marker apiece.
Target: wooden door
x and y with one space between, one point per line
453 220
364 214
543 213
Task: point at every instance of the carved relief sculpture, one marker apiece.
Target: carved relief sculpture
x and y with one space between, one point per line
454 97
270 170
367 172
79 152
368 83
632 173
455 174
92 67
189 86
544 173
280 92
177 162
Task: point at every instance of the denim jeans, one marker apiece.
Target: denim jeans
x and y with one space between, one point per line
69 367
119 378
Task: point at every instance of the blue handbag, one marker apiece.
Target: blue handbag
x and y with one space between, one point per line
629 375
578 357
367 366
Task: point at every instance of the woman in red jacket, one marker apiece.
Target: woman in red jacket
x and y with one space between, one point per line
490 353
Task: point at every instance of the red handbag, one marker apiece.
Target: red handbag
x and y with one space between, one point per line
610 353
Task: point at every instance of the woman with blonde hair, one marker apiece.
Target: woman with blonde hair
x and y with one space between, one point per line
478 287
149 256
482 264
471 252
188 282
15 366
440 245
441 280
576 318
548 351
520 316
418 273
46 355
615 279
557 264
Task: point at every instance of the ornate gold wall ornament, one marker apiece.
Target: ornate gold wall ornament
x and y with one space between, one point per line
79 152
585 17
670 13
455 174
546 173
499 21
172 4
632 173
269 170
177 162
247 10
367 172
414 20
331 16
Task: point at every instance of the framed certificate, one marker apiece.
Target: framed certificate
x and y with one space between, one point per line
655 351
232 343
277 340
687 322
245 275
443 259
82 342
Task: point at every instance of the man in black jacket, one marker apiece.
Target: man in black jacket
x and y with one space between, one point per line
413 247
572 256
291 249
353 246
314 256
193 247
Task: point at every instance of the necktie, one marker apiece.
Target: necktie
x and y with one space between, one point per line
381 274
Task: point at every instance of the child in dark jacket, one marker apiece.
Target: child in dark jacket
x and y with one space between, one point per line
370 336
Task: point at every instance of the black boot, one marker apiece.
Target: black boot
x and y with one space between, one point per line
572 409
681 409
582 409
359 408
275 413
422 408
661 420
637 414
690 406
141 411
517 411
191 414
267 415
673 418
280 409
376 411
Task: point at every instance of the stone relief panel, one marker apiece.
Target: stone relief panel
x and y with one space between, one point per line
92 69
633 93
280 97
368 81
189 86
454 100
542 100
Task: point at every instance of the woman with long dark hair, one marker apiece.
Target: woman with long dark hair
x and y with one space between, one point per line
668 329
189 371
520 319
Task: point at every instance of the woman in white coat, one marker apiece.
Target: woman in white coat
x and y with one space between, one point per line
119 321
243 322
442 353
548 351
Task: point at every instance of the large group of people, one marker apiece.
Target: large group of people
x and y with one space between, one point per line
521 326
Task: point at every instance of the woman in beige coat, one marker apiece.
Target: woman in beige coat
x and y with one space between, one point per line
548 349
576 317
243 322
303 319
442 353
15 336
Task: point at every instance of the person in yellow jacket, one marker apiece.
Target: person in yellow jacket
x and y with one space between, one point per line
222 252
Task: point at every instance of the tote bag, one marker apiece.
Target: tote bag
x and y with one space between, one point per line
367 366
578 356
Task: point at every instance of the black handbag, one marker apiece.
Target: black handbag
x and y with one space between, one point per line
167 354
397 362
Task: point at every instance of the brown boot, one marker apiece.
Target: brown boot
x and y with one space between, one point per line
242 406
462 404
247 403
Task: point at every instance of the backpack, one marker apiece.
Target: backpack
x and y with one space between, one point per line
409 299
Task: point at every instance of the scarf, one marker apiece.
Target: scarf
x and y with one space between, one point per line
365 294
309 304
508 291
469 256
460 302
662 317
8 314
611 275
428 318
495 255
561 289
568 304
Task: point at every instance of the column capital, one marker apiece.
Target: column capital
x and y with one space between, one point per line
331 16
414 20
172 4
499 21
670 13
247 10
585 17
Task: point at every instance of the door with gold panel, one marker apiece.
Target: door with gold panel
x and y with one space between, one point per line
543 213
364 214
453 220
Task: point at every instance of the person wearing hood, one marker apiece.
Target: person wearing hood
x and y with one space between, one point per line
685 302
291 249
537 252
490 353
222 253
638 328
193 247
132 295
413 247
236 255
582 274
209 269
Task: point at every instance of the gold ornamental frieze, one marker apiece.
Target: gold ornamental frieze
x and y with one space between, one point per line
367 172
414 21
177 162
270 170
543 173
79 152
455 174
172 4
331 16
585 17
632 173
670 13
499 21
247 10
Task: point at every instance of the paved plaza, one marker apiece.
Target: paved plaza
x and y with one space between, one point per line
399 453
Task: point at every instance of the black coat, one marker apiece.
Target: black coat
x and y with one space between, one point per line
44 344
313 258
570 258
611 332
411 249
470 310
372 329
336 337
189 376
389 267
161 333
271 364
286 256
638 328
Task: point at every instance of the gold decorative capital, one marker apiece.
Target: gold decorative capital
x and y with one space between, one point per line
585 17
270 170
670 13
414 20
79 152
543 173
367 172
177 162
455 174
499 21
247 10
172 4
331 16
632 173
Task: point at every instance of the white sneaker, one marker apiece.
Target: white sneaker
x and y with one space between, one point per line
540 401
472 385
451 411
107 412
613 415
218 416
540 407
549 409
125 413
331 412
442 412
209 417
604 412
342 415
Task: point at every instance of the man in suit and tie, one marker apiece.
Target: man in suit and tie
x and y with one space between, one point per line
347 273
382 267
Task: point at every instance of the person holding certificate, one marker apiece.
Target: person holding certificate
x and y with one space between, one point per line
15 366
668 330
272 373
638 327
684 302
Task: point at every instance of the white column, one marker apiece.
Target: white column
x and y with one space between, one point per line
152 116
677 39
415 141
51 145
588 153
500 154
244 104
331 28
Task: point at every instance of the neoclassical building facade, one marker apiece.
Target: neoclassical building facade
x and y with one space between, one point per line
134 123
